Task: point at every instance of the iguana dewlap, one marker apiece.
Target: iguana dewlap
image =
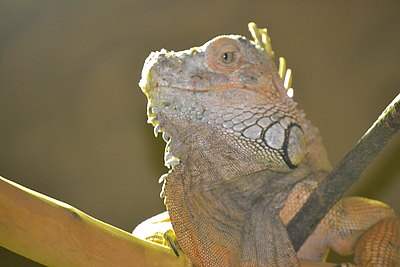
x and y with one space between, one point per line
244 160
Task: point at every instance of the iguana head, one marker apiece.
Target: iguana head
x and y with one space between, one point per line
227 89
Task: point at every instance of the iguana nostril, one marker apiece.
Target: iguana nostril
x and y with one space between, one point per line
195 80
168 63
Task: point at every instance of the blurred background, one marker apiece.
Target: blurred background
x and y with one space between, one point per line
73 119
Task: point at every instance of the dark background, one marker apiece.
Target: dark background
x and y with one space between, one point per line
73 120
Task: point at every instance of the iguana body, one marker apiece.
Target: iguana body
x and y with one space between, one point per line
248 160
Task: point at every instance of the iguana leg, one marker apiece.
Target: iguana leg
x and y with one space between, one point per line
380 245
367 227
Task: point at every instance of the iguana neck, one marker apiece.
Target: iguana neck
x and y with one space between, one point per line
209 195
202 213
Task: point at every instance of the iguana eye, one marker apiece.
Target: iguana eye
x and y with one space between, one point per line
224 55
228 57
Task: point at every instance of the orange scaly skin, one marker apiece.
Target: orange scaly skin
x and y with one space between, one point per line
244 160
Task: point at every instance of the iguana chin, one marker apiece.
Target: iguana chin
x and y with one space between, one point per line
244 160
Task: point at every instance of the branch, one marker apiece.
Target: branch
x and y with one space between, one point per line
344 174
56 234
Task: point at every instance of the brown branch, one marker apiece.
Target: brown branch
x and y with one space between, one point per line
56 234
344 174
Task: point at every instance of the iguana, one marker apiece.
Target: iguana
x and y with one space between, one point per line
243 161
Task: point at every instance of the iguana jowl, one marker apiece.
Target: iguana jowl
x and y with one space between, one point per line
244 160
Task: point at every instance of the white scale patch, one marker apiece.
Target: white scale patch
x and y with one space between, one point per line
253 132
250 121
264 122
275 136
296 146
238 127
